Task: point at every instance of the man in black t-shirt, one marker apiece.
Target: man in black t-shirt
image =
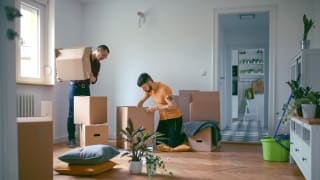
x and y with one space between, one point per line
82 88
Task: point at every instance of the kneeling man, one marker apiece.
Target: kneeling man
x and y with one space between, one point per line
170 123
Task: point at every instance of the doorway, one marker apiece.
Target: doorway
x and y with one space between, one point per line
244 74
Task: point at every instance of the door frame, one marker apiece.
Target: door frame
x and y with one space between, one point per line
271 116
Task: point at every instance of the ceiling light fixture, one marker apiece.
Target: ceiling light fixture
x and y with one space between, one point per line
247 16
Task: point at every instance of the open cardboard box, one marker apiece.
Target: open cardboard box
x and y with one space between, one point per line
139 117
184 103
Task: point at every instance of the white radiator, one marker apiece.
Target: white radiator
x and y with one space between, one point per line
25 105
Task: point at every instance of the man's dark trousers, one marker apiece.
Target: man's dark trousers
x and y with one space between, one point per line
76 88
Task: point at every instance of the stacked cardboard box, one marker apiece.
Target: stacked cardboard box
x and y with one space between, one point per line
73 64
138 116
93 134
90 112
204 106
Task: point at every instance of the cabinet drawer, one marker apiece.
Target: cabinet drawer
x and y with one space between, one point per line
304 137
293 146
304 166
301 154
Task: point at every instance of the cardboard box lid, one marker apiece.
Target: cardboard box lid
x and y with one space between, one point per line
73 53
187 93
90 99
138 115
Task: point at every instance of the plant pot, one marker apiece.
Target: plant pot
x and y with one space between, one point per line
308 110
305 44
151 169
318 112
135 167
298 111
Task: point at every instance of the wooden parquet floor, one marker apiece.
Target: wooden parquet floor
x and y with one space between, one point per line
230 162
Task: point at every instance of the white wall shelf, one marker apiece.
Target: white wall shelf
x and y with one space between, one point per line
306 63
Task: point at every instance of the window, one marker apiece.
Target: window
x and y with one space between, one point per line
30 42
33 61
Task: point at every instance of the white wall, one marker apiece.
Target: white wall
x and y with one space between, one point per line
316 32
68 19
8 127
68 33
289 34
175 43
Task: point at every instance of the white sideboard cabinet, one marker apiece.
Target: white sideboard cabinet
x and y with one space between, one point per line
305 146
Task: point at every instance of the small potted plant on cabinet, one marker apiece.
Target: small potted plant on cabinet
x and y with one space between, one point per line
308 24
309 105
297 93
304 100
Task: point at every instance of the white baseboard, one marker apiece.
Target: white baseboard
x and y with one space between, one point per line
57 140
62 139
112 136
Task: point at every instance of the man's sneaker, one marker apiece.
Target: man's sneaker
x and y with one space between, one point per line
72 143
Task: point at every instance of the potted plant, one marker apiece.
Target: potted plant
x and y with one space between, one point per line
152 162
308 105
137 139
304 99
297 93
314 98
12 13
308 24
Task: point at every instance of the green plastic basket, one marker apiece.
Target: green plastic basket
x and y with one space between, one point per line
273 151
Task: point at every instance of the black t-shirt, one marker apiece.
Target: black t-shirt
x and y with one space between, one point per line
95 68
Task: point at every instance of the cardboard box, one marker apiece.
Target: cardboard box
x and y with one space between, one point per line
176 99
258 87
202 141
139 117
74 64
90 109
205 106
35 149
93 134
184 103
